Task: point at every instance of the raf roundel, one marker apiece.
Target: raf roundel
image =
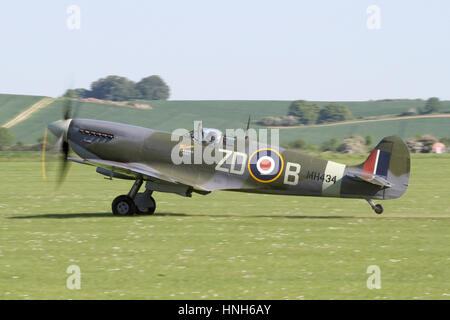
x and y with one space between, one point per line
265 165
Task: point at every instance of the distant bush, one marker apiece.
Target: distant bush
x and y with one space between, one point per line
298 144
79 93
410 112
116 88
153 88
278 121
313 113
397 100
334 112
369 141
6 138
433 105
306 112
330 145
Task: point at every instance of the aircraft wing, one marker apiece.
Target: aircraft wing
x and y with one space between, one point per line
371 178
160 174
131 170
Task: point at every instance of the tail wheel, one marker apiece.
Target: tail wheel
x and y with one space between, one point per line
378 209
123 206
147 210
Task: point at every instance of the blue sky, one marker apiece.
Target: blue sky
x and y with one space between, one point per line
267 50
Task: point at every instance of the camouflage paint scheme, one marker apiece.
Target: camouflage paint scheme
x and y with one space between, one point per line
130 152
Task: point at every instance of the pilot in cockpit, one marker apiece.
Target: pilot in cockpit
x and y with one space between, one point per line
209 135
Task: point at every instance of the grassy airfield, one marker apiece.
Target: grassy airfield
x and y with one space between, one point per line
220 246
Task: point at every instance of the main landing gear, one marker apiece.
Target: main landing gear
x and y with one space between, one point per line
378 208
134 202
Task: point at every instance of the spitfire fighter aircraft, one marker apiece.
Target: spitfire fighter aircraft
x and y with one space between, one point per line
144 155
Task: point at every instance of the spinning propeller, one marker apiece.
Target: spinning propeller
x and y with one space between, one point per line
60 129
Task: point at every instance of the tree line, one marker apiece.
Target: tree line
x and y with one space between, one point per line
307 113
302 112
117 88
432 105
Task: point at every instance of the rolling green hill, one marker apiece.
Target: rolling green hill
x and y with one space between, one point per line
11 105
164 115
169 115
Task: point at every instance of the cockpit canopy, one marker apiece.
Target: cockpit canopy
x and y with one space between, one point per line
209 135
213 136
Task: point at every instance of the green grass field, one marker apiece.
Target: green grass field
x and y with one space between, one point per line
220 246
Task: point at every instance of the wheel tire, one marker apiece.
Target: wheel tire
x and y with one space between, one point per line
123 206
379 209
147 211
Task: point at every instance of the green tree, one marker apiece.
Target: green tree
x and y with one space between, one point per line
6 138
306 112
153 88
79 93
298 144
330 145
369 140
335 112
114 88
433 105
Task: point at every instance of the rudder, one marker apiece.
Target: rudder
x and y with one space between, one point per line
390 159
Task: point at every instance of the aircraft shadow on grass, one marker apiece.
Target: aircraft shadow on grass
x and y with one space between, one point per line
171 214
163 214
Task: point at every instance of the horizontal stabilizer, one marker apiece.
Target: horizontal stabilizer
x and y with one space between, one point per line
371 178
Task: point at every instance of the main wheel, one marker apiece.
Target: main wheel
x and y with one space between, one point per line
378 209
147 210
123 206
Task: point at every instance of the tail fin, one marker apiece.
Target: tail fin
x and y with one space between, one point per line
389 163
